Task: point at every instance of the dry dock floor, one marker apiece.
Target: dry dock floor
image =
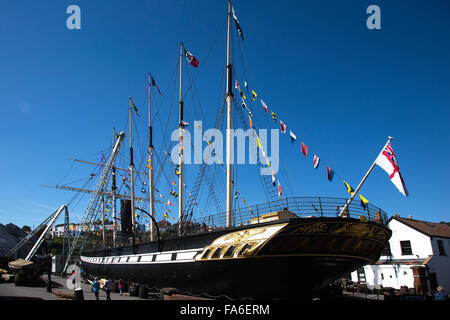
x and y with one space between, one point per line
10 291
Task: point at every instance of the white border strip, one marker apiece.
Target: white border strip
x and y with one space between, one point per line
146 258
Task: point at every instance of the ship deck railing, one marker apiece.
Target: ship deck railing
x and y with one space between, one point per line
294 207
301 207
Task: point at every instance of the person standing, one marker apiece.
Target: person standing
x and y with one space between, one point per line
120 286
96 288
107 286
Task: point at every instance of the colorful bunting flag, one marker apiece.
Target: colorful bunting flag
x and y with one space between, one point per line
173 193
330 174
236 85
282 127
166 215
364 202
279 189
316 161
303 149
244 105
293 136
254 95
249 121
274 116
264 106
238 26
169 203
273 179
349 188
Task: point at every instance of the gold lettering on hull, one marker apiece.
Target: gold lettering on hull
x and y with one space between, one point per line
333 238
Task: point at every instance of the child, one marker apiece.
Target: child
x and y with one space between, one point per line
120 286
96 288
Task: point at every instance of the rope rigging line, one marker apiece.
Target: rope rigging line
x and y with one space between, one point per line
207 56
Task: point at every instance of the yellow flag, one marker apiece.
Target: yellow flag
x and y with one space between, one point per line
364 200
349 189
254 95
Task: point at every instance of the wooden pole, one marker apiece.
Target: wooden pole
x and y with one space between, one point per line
229 133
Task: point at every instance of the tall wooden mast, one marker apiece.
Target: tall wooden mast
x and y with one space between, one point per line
114 190
229 134
150 161
180 161
133 220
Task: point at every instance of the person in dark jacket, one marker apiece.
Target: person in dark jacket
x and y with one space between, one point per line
441 295
108 288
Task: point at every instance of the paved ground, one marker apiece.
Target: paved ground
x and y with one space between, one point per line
362 296
11 291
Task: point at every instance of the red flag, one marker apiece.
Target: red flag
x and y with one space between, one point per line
169 203
249 121
174 183
279 189
264 106
304 149
283 127
330 174
191 59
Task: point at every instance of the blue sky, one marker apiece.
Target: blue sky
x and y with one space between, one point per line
343 89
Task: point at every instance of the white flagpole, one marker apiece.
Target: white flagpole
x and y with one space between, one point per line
344 211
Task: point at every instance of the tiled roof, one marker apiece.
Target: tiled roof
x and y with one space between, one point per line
432 229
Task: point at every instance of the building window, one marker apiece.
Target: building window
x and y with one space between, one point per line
406 248
441 247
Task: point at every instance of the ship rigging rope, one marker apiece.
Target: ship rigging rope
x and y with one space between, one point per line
199 112
192 85
207 55
285 177
171 108
196 101
244 63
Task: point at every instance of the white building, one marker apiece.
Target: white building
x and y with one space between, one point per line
417 257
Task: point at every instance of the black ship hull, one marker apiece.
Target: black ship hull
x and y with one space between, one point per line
276 260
